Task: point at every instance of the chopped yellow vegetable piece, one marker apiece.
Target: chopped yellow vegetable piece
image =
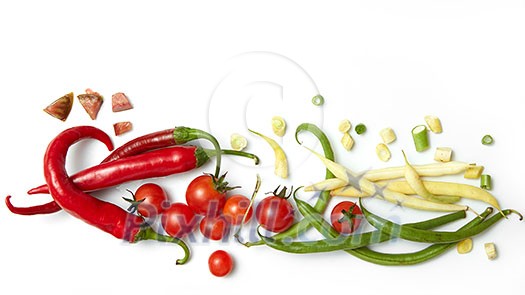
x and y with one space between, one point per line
490 249
347 141
465 246
434 124
345 126
388 135
383 152
473 171
278 126
443 154
238 142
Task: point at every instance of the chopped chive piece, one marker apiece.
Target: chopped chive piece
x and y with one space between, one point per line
487 139
420 136
318 100
360 128
486 182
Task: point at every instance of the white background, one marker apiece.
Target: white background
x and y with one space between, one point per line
224 66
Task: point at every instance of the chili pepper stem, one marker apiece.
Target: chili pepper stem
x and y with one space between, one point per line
185 134
147 233
254 157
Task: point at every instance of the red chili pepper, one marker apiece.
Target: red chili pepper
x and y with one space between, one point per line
103 215
143 144
162 139
157 163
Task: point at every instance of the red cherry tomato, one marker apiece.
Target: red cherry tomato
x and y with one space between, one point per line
346 217
179 220
275 213
235 208
151 200
205 196
220 263
214 228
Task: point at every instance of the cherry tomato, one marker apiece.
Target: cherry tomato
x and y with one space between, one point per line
275 213
206 195
214 228
220 263
179 220
235 208
346 217
151 200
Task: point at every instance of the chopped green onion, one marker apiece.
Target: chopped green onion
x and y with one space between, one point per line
318 100
238 142
278 126
487 139
486 182
420 136
345 126
360 128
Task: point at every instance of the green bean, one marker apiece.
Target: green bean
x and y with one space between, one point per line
411 258
387 258
322 202
342 242
428 236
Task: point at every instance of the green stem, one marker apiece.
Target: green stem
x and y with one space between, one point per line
254 157
148 233
186 134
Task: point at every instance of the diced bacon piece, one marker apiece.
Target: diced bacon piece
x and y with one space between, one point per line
61 107
120 102
122 127
91 101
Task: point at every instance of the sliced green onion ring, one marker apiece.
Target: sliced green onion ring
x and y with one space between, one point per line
420 136
487 139
360 128
318 100
486 182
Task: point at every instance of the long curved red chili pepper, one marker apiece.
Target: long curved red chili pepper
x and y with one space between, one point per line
165 138
103 215
145 143
157 163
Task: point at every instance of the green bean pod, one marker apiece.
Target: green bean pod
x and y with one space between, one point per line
429 236
412 258
392 259
341 242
